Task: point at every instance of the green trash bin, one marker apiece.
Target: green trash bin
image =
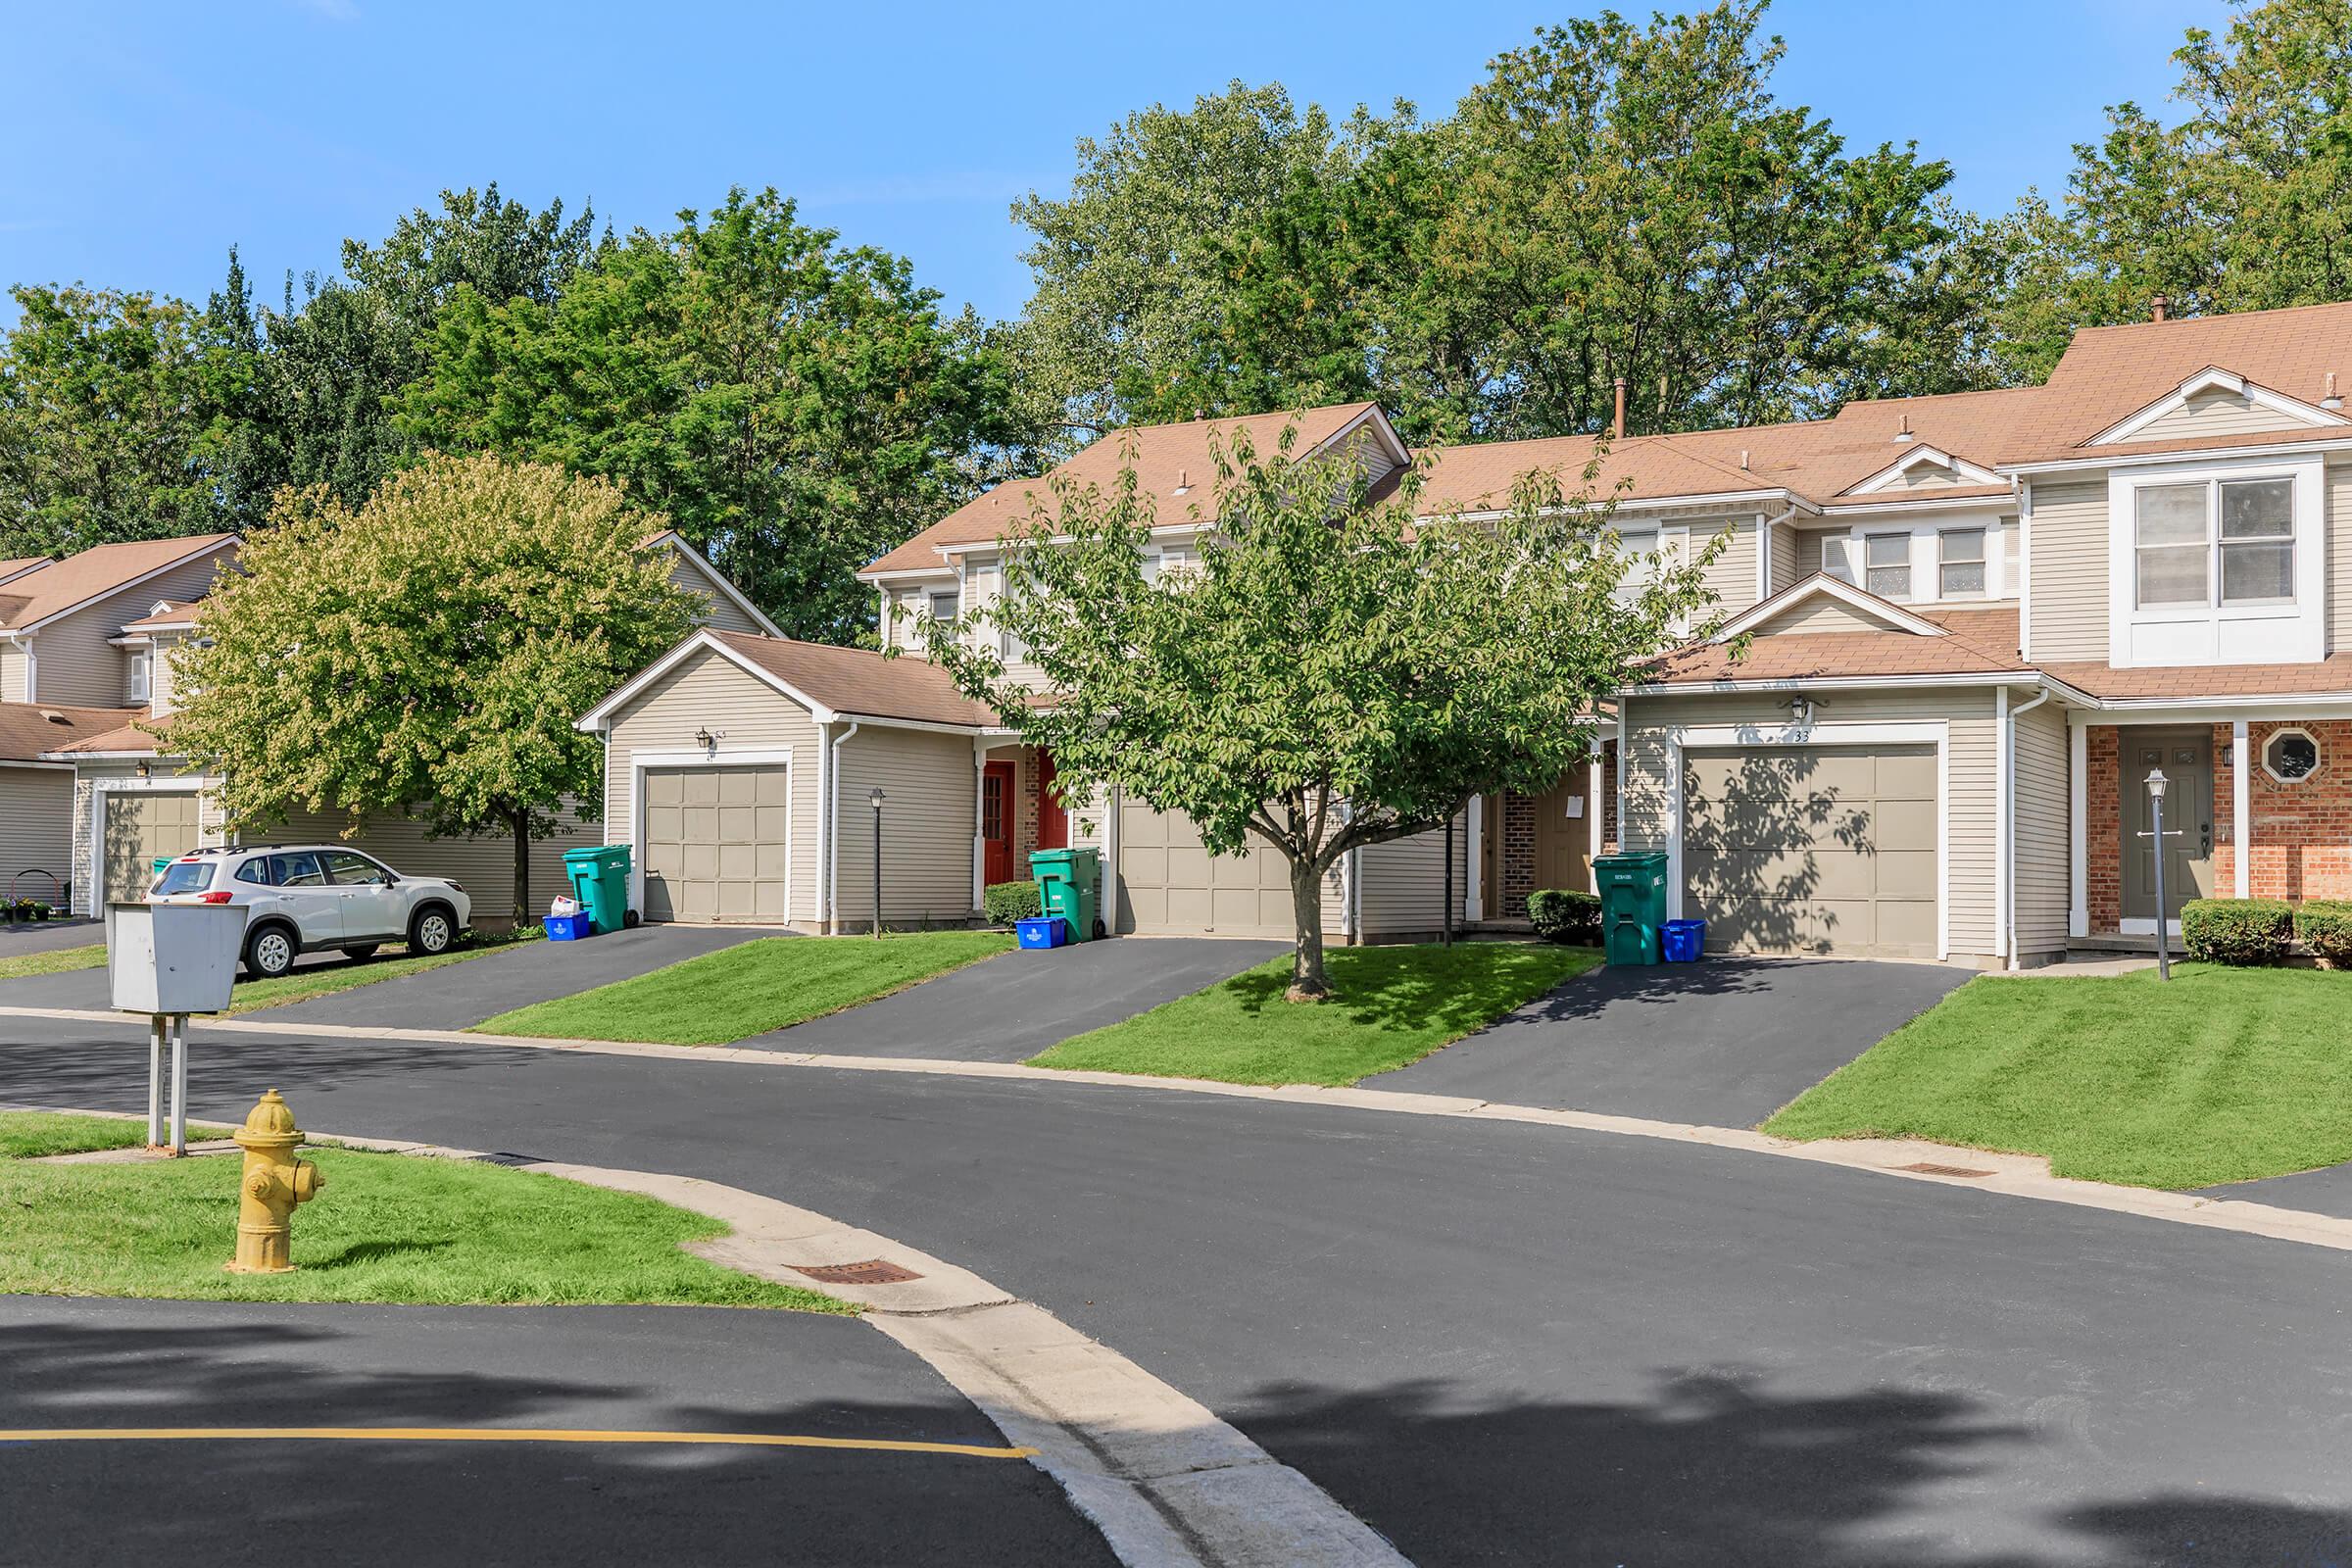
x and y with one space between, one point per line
600 880
1067 880
1633 905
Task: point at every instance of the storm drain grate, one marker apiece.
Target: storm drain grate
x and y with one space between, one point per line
1930 1168
873 1271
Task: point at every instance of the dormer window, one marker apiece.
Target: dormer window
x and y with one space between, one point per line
140 678
1960 563
943 603
1887 565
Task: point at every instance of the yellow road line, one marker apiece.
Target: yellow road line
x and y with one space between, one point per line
740 1439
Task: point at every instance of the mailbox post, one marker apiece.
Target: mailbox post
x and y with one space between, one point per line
169 960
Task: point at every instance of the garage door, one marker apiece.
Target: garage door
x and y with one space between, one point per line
1170 886
138 828
1812 850
716 842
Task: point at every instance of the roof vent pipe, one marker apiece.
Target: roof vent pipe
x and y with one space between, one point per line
1743 460
2332 400
2158 308
1902 431
1617 425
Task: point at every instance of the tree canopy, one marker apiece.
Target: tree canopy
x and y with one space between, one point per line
1330 673
427 650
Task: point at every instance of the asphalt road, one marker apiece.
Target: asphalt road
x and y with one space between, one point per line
176 1364
1012 1006
1724 1044
1495 1342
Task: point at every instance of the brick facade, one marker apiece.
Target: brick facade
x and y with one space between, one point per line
1517 826
2103 828
2299 841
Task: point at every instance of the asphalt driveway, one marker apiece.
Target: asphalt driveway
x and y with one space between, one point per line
1724 1043
1010 1007
404 1500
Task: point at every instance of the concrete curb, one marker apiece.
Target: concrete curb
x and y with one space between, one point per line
2007 1175
1167 1483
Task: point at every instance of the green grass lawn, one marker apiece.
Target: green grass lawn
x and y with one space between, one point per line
56 960
345 975
37 1134
1391 1006
384 1228
2221 1075
751 988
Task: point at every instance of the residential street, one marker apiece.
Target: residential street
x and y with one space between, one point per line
1495 1342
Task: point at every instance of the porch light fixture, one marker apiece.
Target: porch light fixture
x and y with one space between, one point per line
144 769
875 797
1800 712
708 739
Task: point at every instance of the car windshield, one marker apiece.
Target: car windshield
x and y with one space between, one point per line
185 876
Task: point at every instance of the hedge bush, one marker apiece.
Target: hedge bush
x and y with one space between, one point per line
1562 915
1007 901
2324 926
2238 931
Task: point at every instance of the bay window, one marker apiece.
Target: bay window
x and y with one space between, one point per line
2214 542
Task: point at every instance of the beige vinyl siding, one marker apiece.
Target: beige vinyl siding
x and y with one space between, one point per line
700 578
2339 559
163 678
1786 542
13 665
1401 883
708 692
1731 576
927 828
909 604
2216 412
2068 616
37 831
483 862
1970 759
983 584
2043 800
91 778
1926 477
75 662
1819 615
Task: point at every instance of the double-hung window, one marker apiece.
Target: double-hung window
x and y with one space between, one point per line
943 603
140 681
1636 545
1887 565
1960 563
2217 542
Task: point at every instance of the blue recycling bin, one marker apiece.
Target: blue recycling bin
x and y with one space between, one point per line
1042 931
1682 941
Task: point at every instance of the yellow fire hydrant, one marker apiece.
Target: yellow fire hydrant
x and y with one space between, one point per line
274 1181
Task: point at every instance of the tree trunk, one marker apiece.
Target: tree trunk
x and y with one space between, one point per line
1308 983
520 821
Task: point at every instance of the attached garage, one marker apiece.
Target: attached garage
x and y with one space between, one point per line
1819 849
1170 886
718 842
137 826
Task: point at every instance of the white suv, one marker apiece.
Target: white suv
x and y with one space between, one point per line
306 898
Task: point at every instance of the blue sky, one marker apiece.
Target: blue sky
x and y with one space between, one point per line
145 139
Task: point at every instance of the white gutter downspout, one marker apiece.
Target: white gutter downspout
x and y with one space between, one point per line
1765 588
832 828
2008 866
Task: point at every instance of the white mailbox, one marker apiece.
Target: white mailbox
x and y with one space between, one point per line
173 957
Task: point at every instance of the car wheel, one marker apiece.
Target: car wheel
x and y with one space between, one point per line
433 931
361 952
269 952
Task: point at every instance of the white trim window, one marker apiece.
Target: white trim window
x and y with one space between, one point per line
1638 547
2220 564
2214 544
2291 755
1887 565
1960 566
139 679
945 604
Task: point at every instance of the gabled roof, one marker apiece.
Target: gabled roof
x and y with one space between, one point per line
1172 465
675 542
32 731
845 683
83 578
167 615
1957 642
1869 608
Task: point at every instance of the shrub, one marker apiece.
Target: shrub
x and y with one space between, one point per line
1007 901
1561 915
2239 931
2326 928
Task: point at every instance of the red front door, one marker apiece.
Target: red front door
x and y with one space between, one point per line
1052 819
996 822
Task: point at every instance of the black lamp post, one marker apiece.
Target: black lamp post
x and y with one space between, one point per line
877 797
2164 945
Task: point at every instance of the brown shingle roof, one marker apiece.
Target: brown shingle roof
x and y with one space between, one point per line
860 682
92 573
1163 455
28 732
167 613
1975 642
2330 674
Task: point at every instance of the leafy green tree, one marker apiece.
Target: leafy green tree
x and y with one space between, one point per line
794 406
427 650
1332 675
106 427
1124 286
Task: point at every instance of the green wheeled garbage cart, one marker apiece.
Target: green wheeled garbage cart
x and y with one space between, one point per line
600 880
1066 881
1633 905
